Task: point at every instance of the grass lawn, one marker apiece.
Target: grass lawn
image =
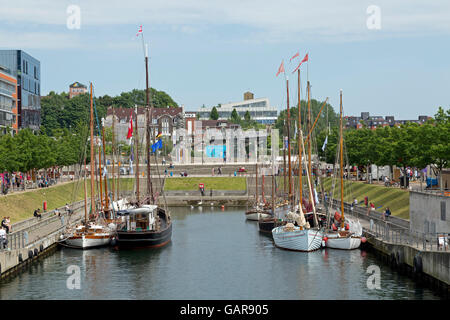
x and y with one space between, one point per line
20 206
215 183
396 199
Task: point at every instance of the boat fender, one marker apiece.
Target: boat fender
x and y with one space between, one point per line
41 247
363 239
347 227
113 241
324 244
334 227
20 258
325 239
417 264
30 254
36 252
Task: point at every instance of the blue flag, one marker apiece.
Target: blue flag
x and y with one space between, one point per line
157 145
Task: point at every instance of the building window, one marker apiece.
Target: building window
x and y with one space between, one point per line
443 217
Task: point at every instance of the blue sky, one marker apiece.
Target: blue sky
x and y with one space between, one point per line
210 52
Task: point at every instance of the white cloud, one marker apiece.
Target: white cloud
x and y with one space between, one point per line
268 21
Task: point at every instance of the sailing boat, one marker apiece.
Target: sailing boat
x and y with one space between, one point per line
90 233
347 236
303 236
145 223
257 211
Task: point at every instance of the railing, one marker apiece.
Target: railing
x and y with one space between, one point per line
27 232
395 230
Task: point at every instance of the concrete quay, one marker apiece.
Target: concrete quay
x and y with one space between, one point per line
409 252
35 238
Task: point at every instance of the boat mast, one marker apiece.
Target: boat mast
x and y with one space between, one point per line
257 182
92 158
137 157
106 174
300 173
113 149
289 142
341 151
284 169
147 96
100 176
85 191
309 129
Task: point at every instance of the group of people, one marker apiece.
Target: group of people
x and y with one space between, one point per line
219 171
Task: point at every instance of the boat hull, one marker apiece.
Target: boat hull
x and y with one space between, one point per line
256 215
267 225
152 239
343 243
88 241
298 240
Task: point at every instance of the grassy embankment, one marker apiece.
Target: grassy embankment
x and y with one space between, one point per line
20 206
394 198
215 183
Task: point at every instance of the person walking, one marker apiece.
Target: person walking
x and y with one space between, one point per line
386 213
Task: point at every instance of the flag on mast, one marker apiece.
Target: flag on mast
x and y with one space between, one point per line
139 31
304 60
280 69
130 127
325 143
295 56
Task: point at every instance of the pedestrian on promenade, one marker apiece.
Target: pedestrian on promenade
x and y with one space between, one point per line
386 213
5 224
67 208
57 213
37 213
3 240
210 193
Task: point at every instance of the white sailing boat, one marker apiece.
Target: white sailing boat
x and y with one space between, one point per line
302 237
348 234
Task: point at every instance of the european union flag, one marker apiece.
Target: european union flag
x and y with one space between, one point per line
157 145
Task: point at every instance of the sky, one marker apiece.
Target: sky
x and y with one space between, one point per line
388 57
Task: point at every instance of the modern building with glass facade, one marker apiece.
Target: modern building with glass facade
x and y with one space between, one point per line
8 101
27 71
259 109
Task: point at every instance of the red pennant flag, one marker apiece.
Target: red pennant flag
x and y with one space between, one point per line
139 31
295 56
281 68
130 126
304 60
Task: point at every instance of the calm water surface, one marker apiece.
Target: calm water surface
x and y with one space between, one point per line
214 254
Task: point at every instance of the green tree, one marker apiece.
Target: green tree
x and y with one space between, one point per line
214 115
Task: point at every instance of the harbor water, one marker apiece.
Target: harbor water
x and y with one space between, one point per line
214 254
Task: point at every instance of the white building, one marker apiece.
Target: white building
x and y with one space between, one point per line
259 109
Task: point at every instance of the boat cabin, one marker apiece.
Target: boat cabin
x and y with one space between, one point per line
138 219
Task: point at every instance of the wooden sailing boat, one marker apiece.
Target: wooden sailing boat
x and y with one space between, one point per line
347 236
91 233
145 223
257 211
297 234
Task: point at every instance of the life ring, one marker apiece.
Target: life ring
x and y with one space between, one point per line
417 265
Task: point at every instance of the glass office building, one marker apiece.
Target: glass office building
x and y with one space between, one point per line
8 100
27 71
259 109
